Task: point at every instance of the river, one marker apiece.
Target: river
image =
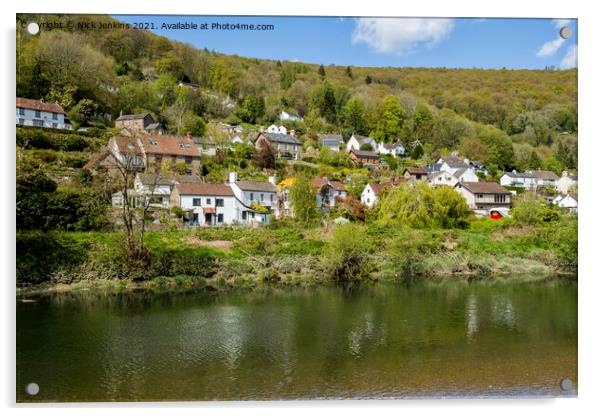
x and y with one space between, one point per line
431 339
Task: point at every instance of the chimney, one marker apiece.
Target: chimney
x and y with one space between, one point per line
232 177
272 180
120 113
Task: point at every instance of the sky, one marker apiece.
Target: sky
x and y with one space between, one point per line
383 42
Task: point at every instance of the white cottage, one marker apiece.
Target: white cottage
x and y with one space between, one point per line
258 199
276 129
566 182
206 204
38 113
482 196
370 194
356 141
393 149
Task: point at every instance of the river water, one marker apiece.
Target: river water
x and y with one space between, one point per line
424 339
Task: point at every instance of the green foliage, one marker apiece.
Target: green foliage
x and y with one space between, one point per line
324 102
37 138
390 127
251 109
422 206
352 117
527 209
347 256
303 201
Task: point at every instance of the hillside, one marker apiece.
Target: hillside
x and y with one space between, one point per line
507 118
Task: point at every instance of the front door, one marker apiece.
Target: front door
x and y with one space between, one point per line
207 219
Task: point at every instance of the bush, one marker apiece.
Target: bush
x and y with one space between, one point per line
346 258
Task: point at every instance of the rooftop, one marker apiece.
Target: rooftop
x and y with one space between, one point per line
484 188
39 105
169 145
125 117
201 188
281 138
256 186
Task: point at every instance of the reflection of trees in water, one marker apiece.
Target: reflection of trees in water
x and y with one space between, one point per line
472 319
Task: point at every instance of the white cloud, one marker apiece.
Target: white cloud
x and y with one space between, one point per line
560 23
550 48
570 59
399 35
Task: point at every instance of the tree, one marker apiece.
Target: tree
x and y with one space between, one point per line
422 206
391 124
251 108
352 117
473 148
303 200
321 71
417 152
349 72
368 80
265 155
424 123
323 100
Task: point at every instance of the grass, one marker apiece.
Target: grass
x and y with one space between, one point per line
218 258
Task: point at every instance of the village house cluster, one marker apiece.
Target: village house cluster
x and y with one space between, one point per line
144 146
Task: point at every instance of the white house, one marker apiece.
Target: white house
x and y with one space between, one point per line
290 116
451 164
206 204
481 196
258 199
356 141
41 114
466 175
276 129
544 177
442 178
156 187
393 149
566 182
522 180
370 194
567 201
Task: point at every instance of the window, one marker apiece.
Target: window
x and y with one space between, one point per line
219 202
55 116
38 113
196 202
38 123
498 198
271 197
244 215
188 159
158 159
21 111
479 195
208 201
21 121
252 196
261 197
54 125
220 218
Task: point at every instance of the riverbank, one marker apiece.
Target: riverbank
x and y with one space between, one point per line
226 258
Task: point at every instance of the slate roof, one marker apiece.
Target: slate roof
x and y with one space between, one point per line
460 172
544 174
201 188
39 105
484 187
454 162
125 117
281 138
256 186
362 139
365 154
320 182
155 179
524 175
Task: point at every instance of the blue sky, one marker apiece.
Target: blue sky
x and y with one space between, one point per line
397 42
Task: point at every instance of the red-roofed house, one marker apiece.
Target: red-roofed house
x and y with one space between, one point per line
328 191
38 113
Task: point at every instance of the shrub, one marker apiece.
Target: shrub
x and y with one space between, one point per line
346 258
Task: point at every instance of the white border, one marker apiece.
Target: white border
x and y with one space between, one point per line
590 295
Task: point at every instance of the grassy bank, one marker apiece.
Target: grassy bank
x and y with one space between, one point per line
239 257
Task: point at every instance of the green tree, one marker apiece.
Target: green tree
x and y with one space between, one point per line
424 123
349 72
251 108
303 200
391 125
352 117
323 100
321 71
